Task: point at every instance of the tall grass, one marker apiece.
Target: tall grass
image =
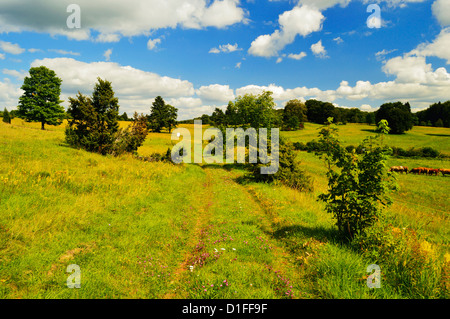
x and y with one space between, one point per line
156 230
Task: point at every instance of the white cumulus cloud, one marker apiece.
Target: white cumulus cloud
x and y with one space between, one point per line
441 10
225 48
12 48
298 56
152 43
301 20
114 19
134 88
319 50
216 93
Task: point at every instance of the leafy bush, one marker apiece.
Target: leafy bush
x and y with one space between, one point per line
289 172
314 146
130 139
299 146
357 186
429 152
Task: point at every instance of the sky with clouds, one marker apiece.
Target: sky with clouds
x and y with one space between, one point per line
200 54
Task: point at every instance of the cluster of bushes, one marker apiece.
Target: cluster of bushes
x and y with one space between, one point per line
258 111
429 152
289 171
94 126
416 152
157 157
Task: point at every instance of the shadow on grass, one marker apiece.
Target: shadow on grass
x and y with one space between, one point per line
319 233
369 130
67 145
227 167
440 135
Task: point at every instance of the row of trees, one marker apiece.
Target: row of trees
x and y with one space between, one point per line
93 121
438 114
40 103
296 113
293 116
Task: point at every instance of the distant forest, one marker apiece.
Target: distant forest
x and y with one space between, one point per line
314 111
295 113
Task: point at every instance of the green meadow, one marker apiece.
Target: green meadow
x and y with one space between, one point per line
156 230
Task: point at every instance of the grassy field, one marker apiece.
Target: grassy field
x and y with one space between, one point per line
156 230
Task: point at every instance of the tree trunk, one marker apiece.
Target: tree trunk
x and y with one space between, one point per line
42 126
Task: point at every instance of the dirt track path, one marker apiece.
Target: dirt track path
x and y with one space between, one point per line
203 217
217 182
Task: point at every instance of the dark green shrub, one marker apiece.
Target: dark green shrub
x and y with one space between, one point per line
415 152
299 146
289 172
6 116
429 152
350 148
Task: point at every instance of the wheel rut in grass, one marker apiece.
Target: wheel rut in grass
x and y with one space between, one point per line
220 188
203 217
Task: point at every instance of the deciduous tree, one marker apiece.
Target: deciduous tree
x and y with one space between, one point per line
398 115
294 115
358 186
40 100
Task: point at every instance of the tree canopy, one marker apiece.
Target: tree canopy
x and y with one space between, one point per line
438 114
40 100
398 115
94 120
294 115
251 110
162 115
318 111
6 116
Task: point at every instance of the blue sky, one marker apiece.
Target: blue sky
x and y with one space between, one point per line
200 54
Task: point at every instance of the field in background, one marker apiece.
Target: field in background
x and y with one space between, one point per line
156 230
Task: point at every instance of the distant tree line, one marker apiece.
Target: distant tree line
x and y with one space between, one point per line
437 115
295 113
40 103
